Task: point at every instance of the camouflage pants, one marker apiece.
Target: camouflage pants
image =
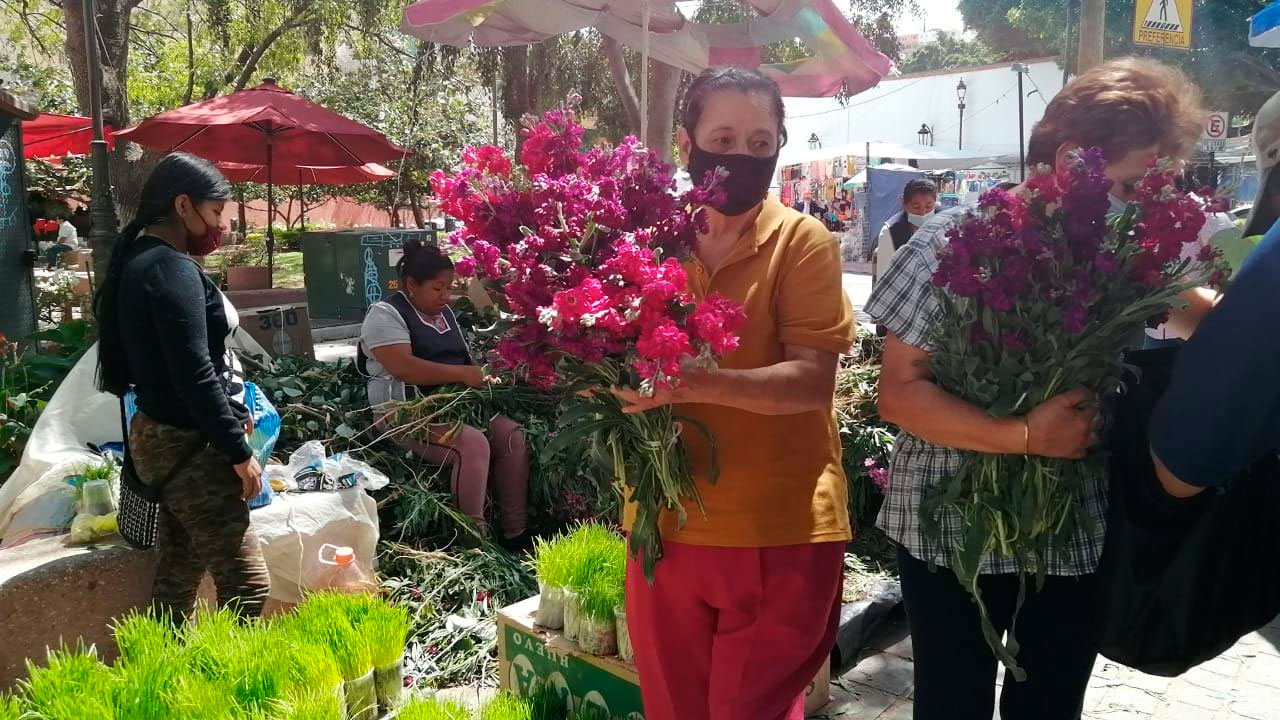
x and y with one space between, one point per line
203 524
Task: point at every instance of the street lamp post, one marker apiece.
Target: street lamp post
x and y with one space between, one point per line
961 91
1021 69
925 133
105 226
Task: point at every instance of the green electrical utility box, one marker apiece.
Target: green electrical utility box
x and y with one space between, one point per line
17 286
348 270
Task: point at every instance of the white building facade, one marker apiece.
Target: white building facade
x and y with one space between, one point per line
895 110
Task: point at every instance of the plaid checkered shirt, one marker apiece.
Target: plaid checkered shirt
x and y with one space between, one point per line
903 302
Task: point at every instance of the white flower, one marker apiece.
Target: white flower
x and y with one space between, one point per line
547 315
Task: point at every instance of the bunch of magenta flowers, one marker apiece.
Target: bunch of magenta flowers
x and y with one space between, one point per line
1040 293
583 251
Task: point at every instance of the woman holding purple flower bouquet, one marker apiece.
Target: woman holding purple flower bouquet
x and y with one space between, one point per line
1134 111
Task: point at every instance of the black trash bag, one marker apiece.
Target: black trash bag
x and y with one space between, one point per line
1181 580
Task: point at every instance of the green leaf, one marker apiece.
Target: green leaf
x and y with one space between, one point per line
569 436
1234 246
713 472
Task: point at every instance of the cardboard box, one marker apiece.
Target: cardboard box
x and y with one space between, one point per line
283 330
527 655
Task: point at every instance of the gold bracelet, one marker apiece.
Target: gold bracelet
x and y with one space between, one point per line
1026 435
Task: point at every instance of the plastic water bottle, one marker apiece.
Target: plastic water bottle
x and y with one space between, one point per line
338 569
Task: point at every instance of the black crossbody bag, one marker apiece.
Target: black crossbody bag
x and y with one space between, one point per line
1181 580
139 512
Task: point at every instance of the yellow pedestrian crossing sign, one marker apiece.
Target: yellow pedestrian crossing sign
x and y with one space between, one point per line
1163 23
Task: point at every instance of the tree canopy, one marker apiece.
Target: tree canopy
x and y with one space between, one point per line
949 51
1234 76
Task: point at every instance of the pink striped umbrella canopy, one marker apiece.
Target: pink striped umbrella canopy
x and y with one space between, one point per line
843 59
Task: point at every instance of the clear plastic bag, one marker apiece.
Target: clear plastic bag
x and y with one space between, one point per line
572 615
310 468
625 652
389 682
361 697
550 613
598 636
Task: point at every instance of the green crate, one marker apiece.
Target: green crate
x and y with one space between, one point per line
348 270
528 656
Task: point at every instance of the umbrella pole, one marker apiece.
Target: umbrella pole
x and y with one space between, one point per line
302 206
271 212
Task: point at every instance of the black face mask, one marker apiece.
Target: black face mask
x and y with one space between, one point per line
748 180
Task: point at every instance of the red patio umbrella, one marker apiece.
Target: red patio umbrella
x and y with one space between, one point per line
306 175
264 125
51 135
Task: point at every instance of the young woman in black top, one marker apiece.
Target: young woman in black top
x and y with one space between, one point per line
162 329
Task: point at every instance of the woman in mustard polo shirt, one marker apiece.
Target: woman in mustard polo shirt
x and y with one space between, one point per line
742 612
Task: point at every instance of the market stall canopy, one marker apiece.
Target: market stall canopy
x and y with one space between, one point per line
925 154
307 174
861 177
51 135
261 126
1264 28
843 59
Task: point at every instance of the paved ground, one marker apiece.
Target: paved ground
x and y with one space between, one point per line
857 285
1242 684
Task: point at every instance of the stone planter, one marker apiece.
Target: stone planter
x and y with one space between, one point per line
249 277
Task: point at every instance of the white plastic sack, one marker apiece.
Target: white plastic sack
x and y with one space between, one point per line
35 501
294 526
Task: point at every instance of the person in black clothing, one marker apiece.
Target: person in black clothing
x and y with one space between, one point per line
162 330
82 221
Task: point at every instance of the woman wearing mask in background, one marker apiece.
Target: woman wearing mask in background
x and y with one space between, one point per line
742 612
919 199
411 344
162 329
1134 110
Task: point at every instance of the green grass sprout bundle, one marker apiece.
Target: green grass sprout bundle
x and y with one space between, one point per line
325 620
199 698
547 703
506 706
72 685
386 629
433 709
329 619
10 707
550 565
141 635
310 704
146 686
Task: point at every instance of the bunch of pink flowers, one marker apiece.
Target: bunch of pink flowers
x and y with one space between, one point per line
583 249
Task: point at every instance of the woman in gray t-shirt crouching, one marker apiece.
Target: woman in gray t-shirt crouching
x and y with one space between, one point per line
410 345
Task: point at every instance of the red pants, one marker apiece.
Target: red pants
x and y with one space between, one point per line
733 633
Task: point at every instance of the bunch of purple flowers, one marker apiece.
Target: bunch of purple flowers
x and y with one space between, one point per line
1040 293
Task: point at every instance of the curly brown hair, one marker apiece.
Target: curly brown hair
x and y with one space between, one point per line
1121 106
